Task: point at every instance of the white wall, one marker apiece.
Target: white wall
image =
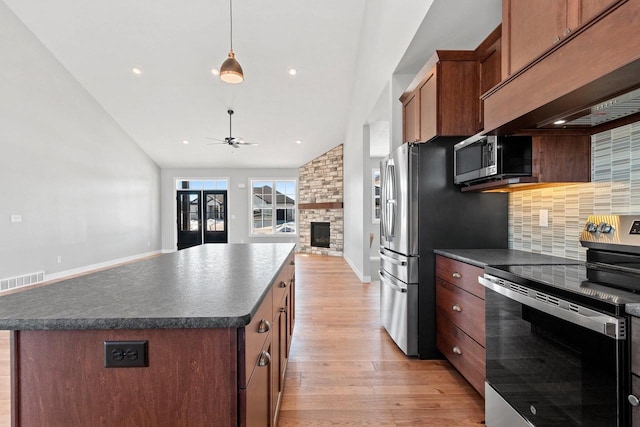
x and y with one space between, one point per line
397 39
237 201
84 189
386 32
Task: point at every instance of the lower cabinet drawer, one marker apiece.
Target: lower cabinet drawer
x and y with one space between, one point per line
466 355
463 309
252 338
255 400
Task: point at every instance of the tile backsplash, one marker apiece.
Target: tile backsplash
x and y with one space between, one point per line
615 189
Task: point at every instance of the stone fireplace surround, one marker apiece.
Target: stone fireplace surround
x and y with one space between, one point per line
320 193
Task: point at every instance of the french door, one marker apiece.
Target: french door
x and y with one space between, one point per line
202 217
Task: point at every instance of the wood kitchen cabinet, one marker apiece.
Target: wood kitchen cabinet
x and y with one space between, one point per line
443 98
531 27
282 330
489 57
555 160
227 375
460 321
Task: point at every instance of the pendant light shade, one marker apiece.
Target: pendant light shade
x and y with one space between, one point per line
230 70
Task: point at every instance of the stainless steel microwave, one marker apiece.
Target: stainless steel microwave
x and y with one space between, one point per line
489 157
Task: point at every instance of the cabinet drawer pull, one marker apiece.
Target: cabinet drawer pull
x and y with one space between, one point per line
283 309
633 400
265 359
283 284
457 350
456 275
556 40
566 32
264 326
456 307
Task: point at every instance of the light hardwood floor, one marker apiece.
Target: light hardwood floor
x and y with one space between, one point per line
343 368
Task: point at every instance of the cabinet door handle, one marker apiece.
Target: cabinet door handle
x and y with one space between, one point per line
457 350
633 400
283 309
566 32
264 326
456 307
264 359
283 284
456 275
556 40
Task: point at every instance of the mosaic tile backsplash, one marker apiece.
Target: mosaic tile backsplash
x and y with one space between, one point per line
615 189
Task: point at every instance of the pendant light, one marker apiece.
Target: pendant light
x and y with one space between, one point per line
231 71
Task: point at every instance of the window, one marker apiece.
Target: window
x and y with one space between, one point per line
200 184
273 207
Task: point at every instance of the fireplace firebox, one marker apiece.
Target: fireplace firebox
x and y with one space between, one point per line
321 234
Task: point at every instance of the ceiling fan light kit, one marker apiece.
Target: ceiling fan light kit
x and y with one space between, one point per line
231 71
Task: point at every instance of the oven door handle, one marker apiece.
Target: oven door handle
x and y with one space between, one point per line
610 326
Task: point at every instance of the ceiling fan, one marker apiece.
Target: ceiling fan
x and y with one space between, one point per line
230 140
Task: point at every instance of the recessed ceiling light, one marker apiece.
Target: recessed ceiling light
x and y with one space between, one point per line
298 141
559 122
215 71
135 70
293 71
185 142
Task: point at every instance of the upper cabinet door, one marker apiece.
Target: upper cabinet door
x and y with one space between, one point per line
410 119
428 93
531 27
590 9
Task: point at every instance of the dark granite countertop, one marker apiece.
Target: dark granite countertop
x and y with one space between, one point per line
207 286
633 309
483 257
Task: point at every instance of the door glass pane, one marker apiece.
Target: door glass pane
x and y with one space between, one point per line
215 212
188 214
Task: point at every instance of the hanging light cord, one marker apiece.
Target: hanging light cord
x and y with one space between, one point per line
231 25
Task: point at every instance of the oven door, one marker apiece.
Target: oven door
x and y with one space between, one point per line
553 368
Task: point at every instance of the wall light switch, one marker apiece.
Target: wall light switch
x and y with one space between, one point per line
544 218
241 185
16 218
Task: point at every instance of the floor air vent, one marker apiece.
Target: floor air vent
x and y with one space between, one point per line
20 281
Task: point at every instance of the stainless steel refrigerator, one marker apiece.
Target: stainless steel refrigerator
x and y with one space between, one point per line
422 210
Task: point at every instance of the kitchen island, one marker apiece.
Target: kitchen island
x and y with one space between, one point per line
196 337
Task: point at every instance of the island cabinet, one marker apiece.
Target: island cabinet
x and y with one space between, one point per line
283 315
442 99
460 322
208 356
531 27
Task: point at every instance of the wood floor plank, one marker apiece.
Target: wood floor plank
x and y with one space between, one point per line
343 368
349 372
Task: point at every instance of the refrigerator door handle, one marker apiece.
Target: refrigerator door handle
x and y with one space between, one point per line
391 283
390 202
392 259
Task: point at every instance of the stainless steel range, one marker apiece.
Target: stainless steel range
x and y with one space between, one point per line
557 342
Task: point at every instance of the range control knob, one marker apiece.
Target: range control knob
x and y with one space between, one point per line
591 227
605 228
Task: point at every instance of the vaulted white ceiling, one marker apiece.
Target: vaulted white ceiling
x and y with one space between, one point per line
176 97
176 44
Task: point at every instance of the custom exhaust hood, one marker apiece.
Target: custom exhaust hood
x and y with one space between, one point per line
587 83
607 111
